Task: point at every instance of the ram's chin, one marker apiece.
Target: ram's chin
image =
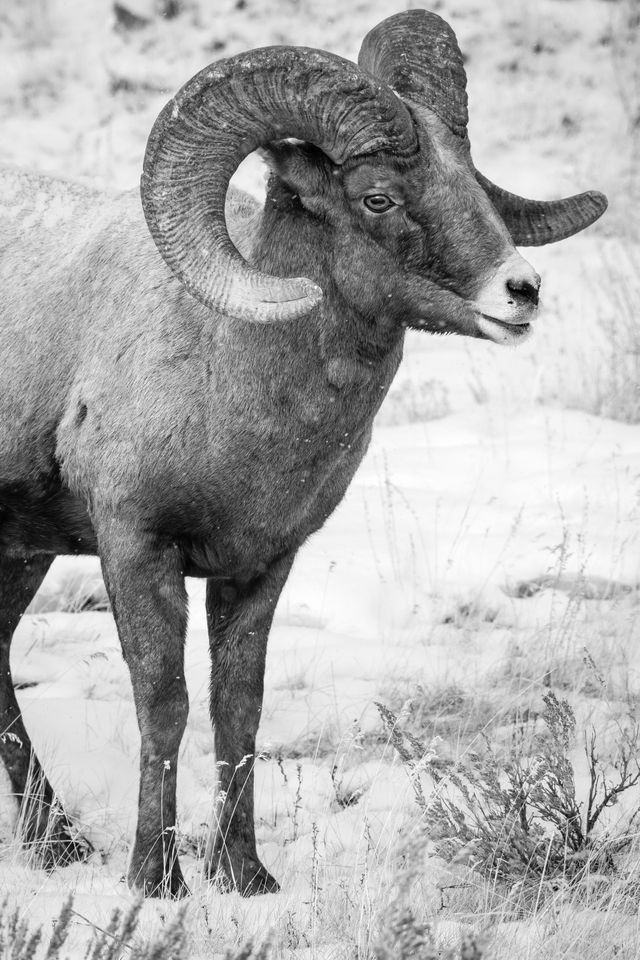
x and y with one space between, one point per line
502 332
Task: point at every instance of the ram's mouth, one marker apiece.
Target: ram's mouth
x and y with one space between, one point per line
502 331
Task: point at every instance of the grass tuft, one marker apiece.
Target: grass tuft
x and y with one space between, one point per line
121 937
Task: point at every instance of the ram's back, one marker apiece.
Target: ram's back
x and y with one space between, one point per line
84 298
67 250
55 272
52 250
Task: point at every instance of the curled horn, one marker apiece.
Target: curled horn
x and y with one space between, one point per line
533 223
417 55
220 116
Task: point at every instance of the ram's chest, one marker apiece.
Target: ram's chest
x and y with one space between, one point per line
274 478
275 481
253 512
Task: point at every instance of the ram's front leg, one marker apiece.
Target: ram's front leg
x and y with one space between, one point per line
239 619
147 592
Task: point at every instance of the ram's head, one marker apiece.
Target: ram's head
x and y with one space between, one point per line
417 235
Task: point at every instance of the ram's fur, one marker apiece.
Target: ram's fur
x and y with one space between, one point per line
150 413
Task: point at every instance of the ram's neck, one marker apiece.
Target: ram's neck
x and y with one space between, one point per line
330 369
293 243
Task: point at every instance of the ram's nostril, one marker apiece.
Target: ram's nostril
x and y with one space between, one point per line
523 289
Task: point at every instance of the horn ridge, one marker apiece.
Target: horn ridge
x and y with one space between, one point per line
222 114
416 53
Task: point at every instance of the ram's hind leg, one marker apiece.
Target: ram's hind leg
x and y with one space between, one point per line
239 619
44 826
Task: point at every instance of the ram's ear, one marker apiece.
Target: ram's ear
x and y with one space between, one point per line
304 169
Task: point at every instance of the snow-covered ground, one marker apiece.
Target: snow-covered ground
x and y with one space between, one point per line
488 467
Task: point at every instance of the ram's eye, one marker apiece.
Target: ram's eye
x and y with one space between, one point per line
378 202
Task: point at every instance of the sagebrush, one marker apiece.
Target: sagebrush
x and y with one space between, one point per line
514 815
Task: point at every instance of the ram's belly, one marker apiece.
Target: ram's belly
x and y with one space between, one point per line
232 521
34 521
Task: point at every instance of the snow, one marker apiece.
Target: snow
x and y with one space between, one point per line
488 467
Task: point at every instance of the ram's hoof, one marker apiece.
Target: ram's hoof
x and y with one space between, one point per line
244 875
165 887
56 843
261 882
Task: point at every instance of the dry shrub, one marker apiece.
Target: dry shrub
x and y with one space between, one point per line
516 817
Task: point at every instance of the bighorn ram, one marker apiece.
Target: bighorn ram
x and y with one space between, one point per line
160 412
